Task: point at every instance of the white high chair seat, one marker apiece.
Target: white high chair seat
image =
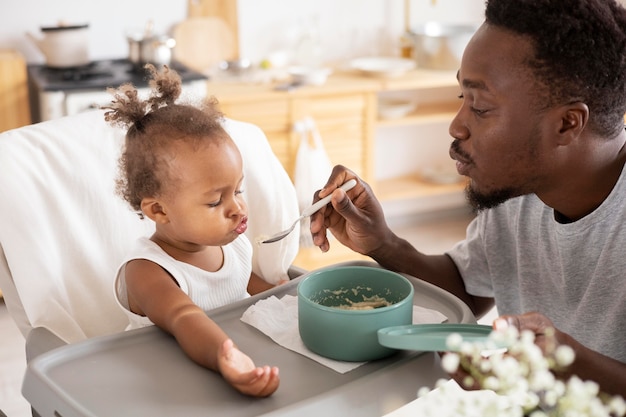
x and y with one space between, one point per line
64 230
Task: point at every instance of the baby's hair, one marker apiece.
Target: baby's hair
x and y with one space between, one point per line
126 108
153 124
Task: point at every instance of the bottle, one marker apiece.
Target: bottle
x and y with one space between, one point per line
308 51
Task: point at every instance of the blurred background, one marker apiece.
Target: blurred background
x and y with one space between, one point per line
346 28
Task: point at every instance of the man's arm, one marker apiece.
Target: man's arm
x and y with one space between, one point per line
610 374
399 255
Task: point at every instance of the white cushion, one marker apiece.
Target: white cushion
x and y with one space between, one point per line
64 231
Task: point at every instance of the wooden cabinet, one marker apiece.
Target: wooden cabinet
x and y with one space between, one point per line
427 181
343 110
14 109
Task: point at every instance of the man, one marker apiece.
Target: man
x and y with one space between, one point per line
540 135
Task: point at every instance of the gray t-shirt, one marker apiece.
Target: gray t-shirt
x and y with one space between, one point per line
574 273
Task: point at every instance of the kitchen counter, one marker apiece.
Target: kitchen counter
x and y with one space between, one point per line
238 92
338 82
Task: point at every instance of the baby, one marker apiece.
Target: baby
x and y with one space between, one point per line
182 170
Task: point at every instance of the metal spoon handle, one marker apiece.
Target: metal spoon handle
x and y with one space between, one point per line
348 185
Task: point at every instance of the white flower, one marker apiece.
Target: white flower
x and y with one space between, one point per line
453 341
541 380
485 366
492 383
506 367
518 382
467 349
422 392
441 382
450 362
617 406
564 356
527 337
550 398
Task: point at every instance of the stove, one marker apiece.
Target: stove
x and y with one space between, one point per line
58 92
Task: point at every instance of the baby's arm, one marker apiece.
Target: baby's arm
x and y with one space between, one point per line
152 292
258 284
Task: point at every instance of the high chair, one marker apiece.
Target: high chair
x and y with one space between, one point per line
64 230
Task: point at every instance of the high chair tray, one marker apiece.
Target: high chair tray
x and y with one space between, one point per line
145 373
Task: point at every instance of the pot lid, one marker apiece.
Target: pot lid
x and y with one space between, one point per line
431 337
63 27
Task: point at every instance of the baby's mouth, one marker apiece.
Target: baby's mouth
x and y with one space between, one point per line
243 226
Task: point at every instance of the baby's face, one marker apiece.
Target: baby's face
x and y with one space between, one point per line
203 197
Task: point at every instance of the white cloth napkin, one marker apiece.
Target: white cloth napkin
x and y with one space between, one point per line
278 319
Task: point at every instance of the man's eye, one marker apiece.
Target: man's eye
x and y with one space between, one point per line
478 111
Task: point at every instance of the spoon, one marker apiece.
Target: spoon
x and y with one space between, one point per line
348 185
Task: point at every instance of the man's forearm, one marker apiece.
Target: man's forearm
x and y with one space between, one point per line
609 373
399 255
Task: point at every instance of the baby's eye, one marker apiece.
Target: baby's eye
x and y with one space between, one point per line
215 204
237 192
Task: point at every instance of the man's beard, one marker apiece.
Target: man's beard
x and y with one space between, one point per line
483 201
480 201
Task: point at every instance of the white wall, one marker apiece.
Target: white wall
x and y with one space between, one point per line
347 27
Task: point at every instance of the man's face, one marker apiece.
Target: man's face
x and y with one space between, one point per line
498 131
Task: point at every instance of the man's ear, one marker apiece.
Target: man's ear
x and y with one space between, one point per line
573 120
154 210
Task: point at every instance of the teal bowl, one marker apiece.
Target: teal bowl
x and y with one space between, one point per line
331 320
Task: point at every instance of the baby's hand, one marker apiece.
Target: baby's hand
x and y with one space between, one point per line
240 372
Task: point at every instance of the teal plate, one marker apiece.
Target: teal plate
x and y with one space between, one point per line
430 337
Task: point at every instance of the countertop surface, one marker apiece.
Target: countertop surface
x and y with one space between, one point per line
338 82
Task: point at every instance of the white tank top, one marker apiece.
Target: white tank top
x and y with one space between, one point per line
206 289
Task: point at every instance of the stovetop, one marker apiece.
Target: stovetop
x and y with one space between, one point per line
99 75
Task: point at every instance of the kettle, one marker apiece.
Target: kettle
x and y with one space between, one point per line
63 46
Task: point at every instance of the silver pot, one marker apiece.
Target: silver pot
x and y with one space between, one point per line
440 46
151 49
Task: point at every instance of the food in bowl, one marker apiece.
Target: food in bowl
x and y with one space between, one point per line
368 303
341 309
346 299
